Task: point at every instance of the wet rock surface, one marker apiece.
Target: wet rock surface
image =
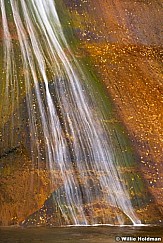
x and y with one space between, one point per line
122 43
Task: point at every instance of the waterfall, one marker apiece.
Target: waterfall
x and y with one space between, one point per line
66 129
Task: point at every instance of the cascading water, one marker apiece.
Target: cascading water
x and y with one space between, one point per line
73 139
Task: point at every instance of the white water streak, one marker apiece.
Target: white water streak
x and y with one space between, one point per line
11 87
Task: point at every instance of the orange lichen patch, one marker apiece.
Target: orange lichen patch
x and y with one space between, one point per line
147 211
158 192
12 30
123 21
104 213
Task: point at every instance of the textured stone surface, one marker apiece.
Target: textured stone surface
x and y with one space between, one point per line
23 189
124 43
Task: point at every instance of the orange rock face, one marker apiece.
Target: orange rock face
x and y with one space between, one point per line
124 42
23 189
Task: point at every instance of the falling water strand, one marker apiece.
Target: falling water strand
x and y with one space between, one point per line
75 141
11 87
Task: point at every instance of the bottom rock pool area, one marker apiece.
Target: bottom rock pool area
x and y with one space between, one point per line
92 234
